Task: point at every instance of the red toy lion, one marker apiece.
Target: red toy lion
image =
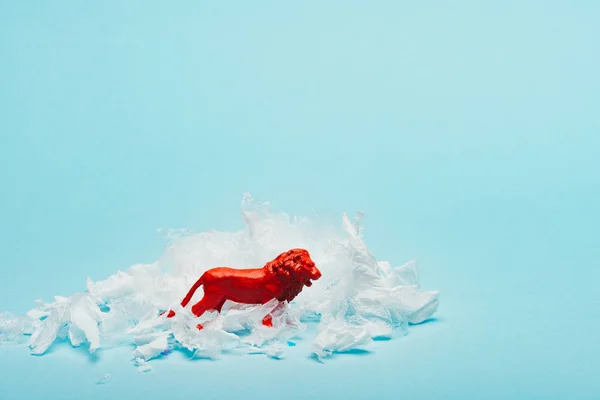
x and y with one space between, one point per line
281 279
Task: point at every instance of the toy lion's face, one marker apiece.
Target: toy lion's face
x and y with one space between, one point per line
300 266
309 271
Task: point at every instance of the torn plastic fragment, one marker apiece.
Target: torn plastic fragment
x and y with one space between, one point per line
142 365
151 346
12 327
104 380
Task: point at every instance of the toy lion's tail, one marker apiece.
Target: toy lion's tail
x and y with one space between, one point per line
193 289
187 297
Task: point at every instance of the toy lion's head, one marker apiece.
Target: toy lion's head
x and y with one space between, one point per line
295 269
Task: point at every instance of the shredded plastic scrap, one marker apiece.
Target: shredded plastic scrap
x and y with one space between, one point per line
357 299
104 380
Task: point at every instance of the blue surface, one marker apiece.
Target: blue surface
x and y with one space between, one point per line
469 134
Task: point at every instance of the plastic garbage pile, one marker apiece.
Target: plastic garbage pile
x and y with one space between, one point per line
357 299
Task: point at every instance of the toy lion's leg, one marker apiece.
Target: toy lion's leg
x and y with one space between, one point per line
268 320
220 305
210 301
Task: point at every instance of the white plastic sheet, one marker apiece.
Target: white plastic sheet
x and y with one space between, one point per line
357 299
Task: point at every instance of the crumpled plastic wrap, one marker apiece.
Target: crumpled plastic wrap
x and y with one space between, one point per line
357 299
77 316
13 328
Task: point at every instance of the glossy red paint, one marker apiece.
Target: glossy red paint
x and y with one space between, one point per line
267 320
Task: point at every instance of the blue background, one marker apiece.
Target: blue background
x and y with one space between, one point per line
468 133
